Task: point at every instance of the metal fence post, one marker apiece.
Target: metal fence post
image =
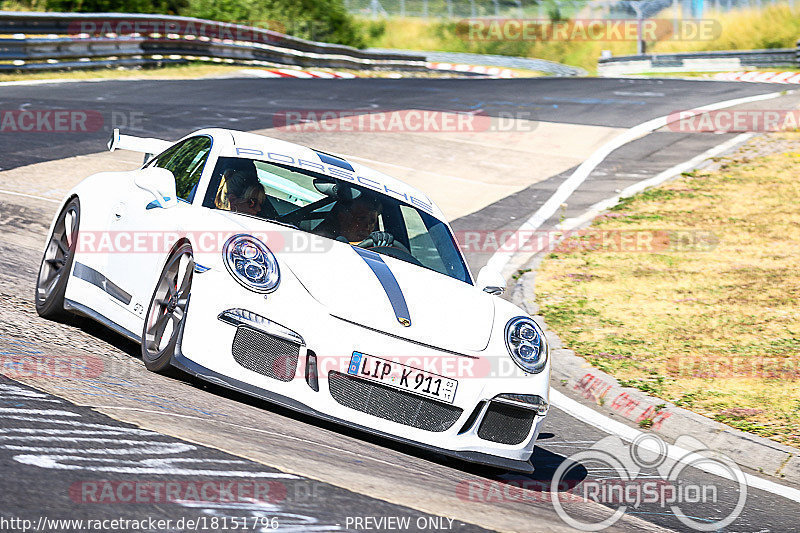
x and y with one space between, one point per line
640 48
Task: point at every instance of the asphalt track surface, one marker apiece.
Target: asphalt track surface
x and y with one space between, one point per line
46 465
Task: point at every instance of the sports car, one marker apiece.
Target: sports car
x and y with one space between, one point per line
306 280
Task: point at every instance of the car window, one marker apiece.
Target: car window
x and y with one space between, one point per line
287 186
186 161
420 241
431 243
335 209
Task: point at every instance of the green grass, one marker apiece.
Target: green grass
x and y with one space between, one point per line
776 26
320 20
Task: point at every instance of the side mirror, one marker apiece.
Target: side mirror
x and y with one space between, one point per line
491 281
160 183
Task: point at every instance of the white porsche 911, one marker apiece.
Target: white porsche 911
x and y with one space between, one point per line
307 280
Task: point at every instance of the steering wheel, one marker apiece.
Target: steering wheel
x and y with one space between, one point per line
369 243
396 250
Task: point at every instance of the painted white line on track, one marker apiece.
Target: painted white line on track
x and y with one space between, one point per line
12 193
658 179
54 80
625 432
259 430
57 412
260 73
501 259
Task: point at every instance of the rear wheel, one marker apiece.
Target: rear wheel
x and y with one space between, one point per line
51 284
167 311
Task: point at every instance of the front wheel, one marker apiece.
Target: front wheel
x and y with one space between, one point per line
51 284
167 311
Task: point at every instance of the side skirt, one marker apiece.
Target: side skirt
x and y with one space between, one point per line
80 309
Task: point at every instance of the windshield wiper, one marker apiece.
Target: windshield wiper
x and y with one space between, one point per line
281 223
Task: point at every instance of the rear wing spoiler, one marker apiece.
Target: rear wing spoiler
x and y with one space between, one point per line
146 145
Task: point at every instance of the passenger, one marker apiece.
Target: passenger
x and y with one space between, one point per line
251 202
237 188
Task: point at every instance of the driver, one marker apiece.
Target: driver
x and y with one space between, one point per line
356 221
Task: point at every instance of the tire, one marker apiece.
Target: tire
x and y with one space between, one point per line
51 283
167 310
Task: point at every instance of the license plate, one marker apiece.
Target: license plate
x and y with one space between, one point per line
403 377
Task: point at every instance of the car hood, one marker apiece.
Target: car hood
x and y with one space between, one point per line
444 312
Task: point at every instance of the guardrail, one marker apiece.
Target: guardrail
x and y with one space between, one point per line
41 41
541 65
698 61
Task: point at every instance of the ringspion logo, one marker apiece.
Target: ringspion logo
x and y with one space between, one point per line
648 473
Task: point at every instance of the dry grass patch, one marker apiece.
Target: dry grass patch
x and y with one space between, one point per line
709 320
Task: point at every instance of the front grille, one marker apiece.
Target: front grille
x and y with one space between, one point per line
392 404
506 424
269 356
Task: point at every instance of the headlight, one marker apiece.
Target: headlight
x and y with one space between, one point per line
526 344
251 263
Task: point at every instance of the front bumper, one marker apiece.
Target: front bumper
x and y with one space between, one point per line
183 363
206 352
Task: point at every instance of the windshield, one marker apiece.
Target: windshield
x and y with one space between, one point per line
335 209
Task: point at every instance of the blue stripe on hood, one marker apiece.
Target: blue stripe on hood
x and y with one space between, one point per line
389 283
333 160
